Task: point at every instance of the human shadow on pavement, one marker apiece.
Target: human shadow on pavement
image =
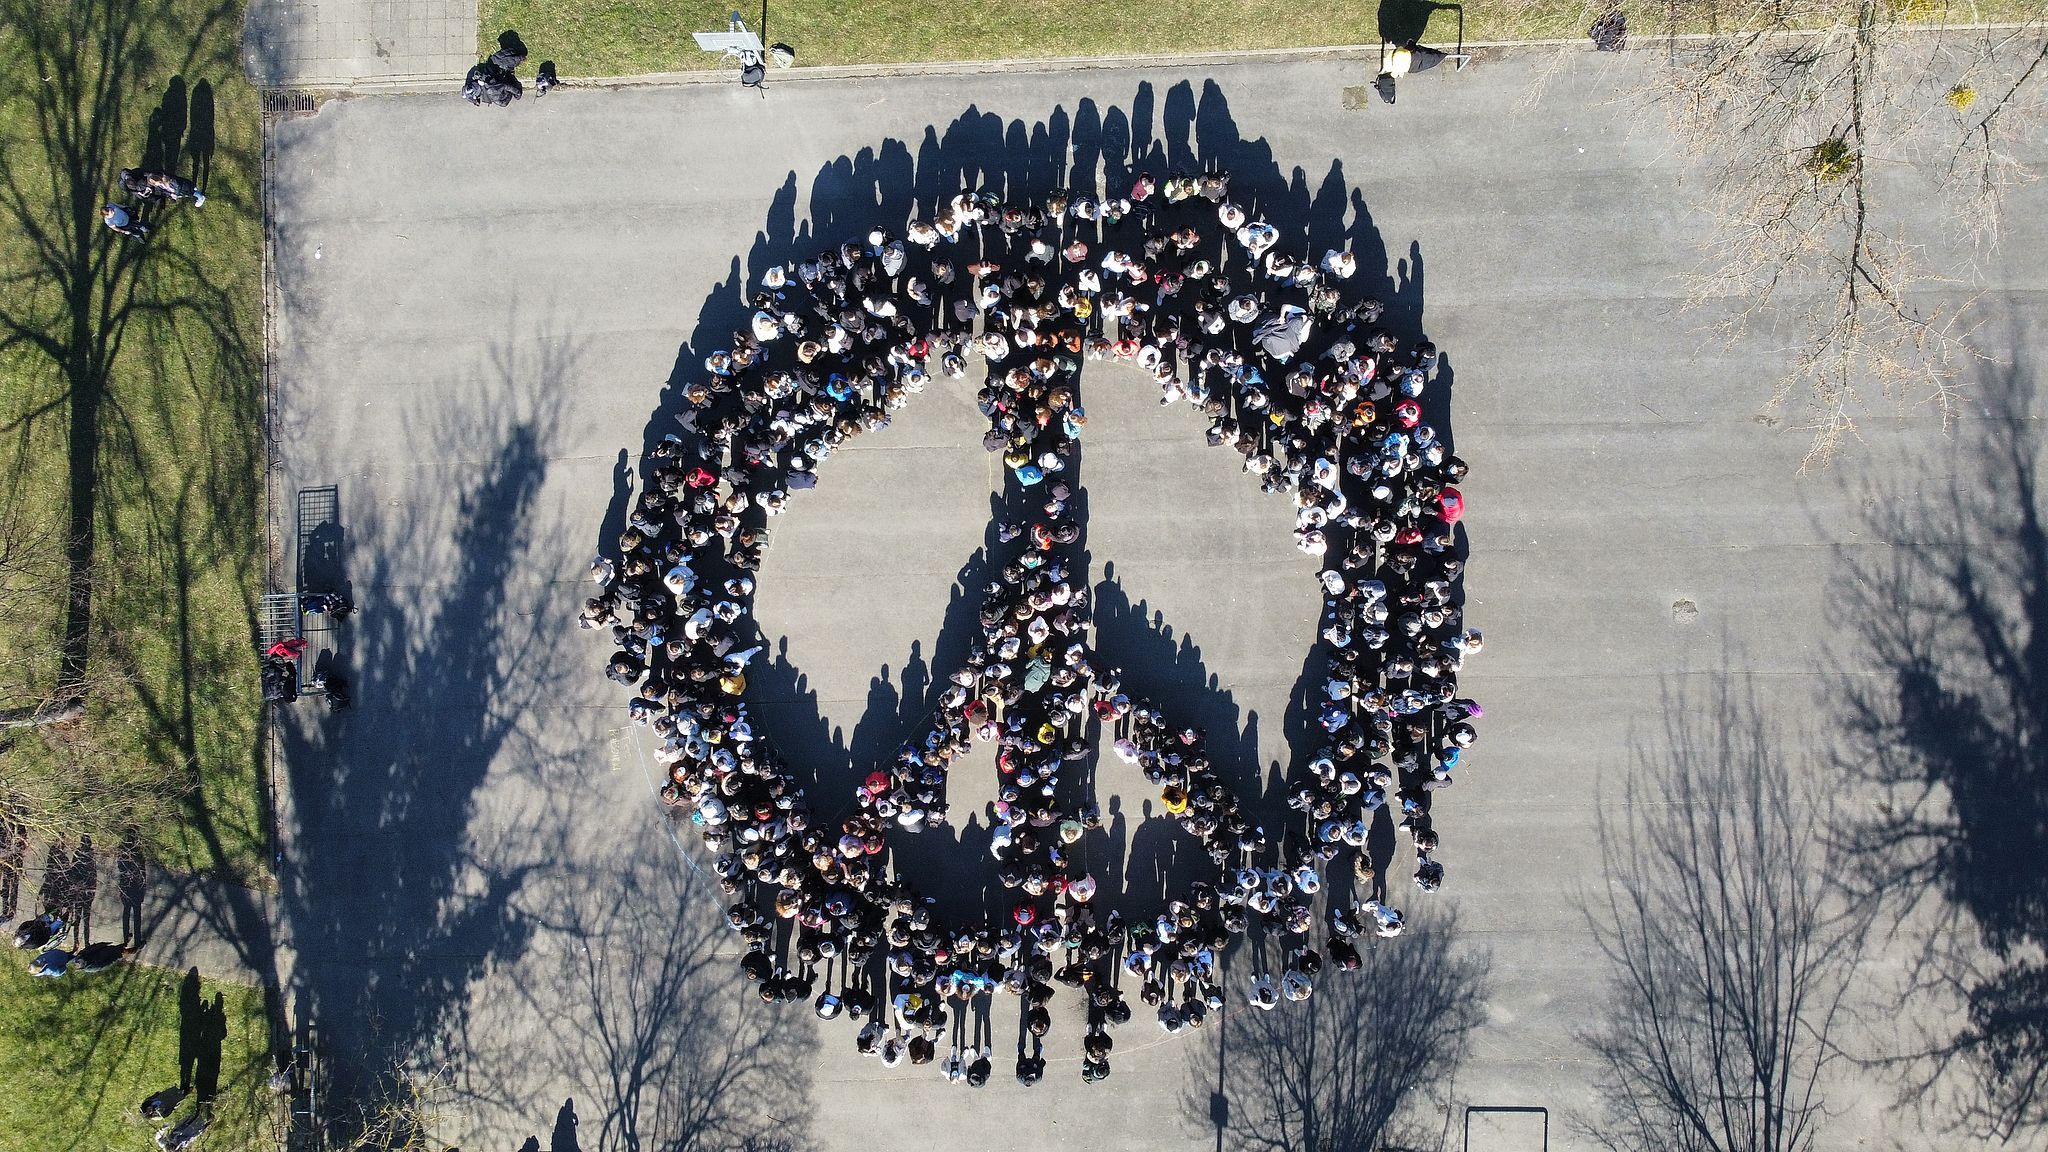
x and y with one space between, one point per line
564 1137
1943 694
1160 861
615 511
131 879
396 897
1345 1067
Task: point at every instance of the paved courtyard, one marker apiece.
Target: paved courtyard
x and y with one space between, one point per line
343 43
479 311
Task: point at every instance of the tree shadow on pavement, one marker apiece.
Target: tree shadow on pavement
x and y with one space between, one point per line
1345 1068
1732 944
637 1004
397 897
1944 698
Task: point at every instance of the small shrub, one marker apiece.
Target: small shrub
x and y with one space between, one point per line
1831 159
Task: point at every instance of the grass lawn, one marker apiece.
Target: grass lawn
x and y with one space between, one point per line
80 1053
625 37
629 37
131 400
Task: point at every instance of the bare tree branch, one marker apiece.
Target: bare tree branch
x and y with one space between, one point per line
1821 131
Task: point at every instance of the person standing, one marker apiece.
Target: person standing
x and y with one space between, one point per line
131 877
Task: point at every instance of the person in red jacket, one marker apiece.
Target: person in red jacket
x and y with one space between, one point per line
1453 504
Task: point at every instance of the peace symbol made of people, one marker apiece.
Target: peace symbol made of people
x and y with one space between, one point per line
1010 296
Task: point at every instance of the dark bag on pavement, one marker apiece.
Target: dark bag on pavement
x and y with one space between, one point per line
280 681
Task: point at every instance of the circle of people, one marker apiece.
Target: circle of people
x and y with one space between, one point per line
1296 376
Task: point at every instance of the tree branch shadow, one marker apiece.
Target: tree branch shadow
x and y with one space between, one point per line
641 1005
395 902
1950 738
1344 1068
1732 944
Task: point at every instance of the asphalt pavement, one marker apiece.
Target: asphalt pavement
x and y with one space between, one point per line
477 313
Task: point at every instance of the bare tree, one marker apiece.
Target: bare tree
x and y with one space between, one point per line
69 779
60 778
1732 953
32 585
24 562
1814 126
1820 120
71 295
403 1115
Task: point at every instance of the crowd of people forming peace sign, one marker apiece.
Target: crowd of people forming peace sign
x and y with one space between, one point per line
1295 373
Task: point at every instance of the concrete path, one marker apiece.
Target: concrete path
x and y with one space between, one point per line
474 347
191 922
341 43
180 921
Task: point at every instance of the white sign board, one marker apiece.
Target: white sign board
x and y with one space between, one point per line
721 41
